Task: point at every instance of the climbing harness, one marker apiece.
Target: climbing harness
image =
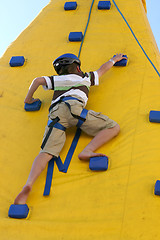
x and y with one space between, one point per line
63 167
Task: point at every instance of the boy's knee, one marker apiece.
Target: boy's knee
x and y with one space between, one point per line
116 129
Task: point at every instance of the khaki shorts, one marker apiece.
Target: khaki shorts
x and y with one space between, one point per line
95 122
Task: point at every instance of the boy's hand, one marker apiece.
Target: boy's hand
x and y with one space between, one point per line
106 66
118 57
30 101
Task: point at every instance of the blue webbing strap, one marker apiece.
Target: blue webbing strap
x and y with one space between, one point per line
69 98
60 165
83 116
64 167
49 177
136 38
63 99
58 126
50 124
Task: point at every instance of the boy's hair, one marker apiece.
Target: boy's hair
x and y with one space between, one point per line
68 69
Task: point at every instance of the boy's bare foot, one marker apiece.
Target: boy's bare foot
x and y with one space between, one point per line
87 154
23 195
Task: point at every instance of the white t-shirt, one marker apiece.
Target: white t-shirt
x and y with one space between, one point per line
71 84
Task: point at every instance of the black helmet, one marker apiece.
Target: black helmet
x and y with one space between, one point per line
65 59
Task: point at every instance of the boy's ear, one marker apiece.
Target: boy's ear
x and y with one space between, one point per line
78 69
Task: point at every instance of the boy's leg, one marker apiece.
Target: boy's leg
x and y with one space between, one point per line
102 128
38 166
53 146
101 138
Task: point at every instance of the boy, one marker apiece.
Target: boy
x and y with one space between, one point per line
74 83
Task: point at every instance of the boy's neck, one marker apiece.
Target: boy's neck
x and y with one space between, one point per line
80 74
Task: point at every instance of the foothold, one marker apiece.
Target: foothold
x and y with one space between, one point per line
157 188
75 36
70 6
123 62
154 116
18 211
98 163
17 61
104 5
33 106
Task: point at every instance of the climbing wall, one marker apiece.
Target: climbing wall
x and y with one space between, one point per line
115 204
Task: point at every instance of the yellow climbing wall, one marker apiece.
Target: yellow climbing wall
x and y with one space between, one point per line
116 204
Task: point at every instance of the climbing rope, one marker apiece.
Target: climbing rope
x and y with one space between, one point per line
86 28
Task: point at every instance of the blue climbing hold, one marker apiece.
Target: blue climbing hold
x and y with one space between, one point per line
70 6
33 106
75 36
154 116
104 5
18 211
157 188
17 61
122 63
99 163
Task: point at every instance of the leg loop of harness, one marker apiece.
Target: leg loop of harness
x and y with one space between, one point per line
52 124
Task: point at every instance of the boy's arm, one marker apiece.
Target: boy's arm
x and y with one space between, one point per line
106 66
33 87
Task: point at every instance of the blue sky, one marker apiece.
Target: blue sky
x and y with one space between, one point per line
153 14
16 15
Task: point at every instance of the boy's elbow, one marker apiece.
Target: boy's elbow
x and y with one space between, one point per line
40 81
100 73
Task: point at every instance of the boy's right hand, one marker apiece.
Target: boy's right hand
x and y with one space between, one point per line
118 57
30 101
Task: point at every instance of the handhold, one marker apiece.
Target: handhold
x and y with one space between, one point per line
70 6
157 188
75 36
104 5
18 211
122 63
17 61
35 106
154 116
99 163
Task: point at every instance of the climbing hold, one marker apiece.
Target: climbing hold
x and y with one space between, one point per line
18 211
122 63
17 61
157 188
70 6
104 5
99 163
35 106
154 116
75 36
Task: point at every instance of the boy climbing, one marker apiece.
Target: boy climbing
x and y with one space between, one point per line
71 88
